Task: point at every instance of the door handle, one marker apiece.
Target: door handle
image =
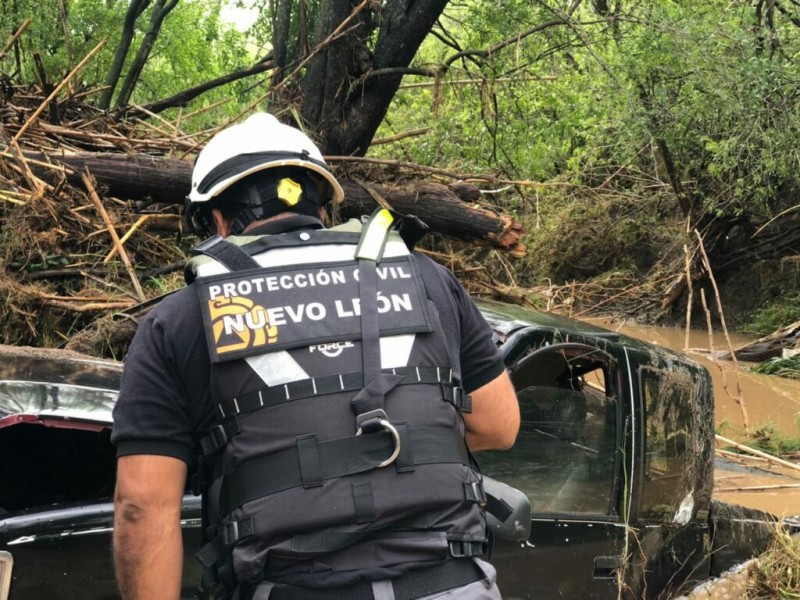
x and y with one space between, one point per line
605 567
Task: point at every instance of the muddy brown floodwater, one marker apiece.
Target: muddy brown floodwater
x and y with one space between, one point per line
767 399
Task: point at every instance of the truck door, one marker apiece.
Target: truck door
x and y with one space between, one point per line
568 459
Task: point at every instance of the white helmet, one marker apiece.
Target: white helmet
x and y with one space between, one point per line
260 142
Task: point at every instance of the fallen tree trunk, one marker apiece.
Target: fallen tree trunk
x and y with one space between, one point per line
768 346
441 208
167 181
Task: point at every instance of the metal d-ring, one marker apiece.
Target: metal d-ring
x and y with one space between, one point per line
390 428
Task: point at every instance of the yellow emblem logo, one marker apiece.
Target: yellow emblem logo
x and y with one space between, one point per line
289 191
239 323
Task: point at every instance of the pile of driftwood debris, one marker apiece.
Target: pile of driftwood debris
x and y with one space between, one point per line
90 216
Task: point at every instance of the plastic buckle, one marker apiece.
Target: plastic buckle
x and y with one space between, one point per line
476 493
462 400
230 533
219 437
370 422
214 441
465 549
456 396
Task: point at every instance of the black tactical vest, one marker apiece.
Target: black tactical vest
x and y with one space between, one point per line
339 455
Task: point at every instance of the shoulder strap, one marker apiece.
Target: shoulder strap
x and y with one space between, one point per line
230 255
368 403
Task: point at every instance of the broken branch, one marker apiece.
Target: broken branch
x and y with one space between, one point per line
87 181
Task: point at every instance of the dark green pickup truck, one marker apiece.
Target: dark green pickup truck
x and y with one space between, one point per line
615 454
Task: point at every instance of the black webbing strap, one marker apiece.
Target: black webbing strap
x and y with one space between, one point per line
266 397
369 398
367 405
331 384
414 584
308 458
337 458
230 255
404 463
364 502
452 574
498 507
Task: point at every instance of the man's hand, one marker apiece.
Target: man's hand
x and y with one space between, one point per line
494 421
148 547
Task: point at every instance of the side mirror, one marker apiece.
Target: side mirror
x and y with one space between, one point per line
508 511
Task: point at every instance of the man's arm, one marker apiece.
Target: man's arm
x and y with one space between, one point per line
494 421
148 547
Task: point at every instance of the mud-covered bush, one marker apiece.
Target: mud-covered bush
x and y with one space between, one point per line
583 237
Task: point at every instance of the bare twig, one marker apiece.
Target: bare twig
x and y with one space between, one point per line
380 200
87 181
775 218
32 119
401 136
76 298
759 488
754 452
14 38
714 360
707 263
688 267
90 307
114 251
37 185
742 458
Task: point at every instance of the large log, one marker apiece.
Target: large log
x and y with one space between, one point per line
439 207
167 181
770 346
130 176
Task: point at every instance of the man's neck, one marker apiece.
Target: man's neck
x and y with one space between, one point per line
283 223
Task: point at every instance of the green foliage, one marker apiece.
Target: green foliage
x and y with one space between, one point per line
579 240
628 117
193 46
776 574
688 77
782 367
766 438
775 315
89 22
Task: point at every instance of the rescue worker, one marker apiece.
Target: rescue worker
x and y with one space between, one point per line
327 387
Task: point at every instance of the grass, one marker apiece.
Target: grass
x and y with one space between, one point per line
766 438
778 572
774 316
782 367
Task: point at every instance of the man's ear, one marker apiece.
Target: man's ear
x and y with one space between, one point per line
220 223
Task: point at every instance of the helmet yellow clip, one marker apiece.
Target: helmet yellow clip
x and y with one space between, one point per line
289 191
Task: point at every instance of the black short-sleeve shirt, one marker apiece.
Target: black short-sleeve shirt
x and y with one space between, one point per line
165 405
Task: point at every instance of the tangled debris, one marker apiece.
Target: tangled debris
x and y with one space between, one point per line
91 229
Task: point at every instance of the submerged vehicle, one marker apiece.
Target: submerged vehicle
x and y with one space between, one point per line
615 455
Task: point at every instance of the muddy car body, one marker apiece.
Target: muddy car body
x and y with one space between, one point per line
615 455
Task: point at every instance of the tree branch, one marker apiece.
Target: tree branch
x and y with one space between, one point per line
281 20
507 42
186 96
160 11
135 9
